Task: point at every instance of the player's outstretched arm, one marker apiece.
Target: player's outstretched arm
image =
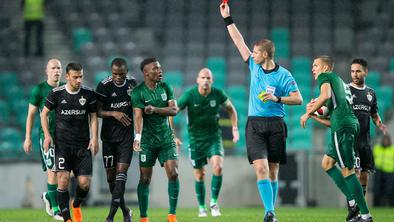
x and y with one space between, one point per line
378 122
45 128
235 35
93 144
31 114
138 124
234 119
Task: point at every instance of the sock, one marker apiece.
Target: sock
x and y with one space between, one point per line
200 193
117 193
80 195
266 195
122 206
364 189
274 185
339 180
52 197
351 203
64 198
173 193
216 184
143 198
357 191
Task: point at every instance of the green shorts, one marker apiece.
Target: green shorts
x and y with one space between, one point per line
47 158
342 146
150 153
202 150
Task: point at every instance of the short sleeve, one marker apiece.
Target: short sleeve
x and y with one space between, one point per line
184 100
137 99
252 65
374 108
51 102
35 96
222 96
169 92
290 84
323 78
101 93
92 107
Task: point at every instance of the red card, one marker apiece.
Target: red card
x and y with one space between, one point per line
225 1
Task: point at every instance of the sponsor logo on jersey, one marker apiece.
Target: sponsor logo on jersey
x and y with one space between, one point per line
369 96
82 101
63 101
70 112
362 107
164 96
113 94
120 104
212 103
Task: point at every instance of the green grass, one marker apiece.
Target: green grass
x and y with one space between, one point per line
285 214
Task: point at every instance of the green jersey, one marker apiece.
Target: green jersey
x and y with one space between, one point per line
156 129
37 98
202 111
339 106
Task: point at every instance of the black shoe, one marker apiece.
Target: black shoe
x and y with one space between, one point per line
270 217
352 213
369 219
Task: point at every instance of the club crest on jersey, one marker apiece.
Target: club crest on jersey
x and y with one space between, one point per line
164 96
212 103
369 96
82 101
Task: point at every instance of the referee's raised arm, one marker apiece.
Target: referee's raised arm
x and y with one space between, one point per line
235 35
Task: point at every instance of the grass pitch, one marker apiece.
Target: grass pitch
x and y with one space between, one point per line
285 214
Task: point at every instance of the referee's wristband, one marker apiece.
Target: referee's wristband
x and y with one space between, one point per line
137 137
279 99
228 21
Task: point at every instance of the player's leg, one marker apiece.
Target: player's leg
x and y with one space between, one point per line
199 185
81 193
216 183
143 191
63 196
171 168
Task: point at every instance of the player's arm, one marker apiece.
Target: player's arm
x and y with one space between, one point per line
294 98
325 94
45 128
31 114
93 144
378 122
170 110
235 35
325 122
178 142
228 105
121 117
138 124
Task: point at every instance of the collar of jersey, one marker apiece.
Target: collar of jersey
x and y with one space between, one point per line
271 70
356 87
73 93
121 85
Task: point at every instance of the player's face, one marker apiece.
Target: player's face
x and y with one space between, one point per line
54 70
358 73
317 68
204 79
119 74
153 72
74 79
257 55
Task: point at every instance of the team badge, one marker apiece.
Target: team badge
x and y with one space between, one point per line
143 157
212 103
369 96
164 97
82 101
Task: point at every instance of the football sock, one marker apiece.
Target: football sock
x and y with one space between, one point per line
339 180
200 192
216 184
173 193
265 190
64 198
143 198
117 193
357 191
274 185
52 197
80 195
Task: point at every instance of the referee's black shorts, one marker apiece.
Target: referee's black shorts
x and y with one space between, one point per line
266 139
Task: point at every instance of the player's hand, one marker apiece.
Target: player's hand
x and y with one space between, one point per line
47 142
310 105
27 147
224 10
178 144
235 134
137 146
122 117
269 96
303 119
383 128
93 146
149 109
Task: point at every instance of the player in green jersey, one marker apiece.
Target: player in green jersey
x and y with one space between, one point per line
37 102
203 104
153 101
336 95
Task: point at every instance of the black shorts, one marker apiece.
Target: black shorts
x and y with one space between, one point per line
75 158
117 152
364 158
266 139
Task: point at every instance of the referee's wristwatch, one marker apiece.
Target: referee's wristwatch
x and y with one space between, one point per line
279 99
